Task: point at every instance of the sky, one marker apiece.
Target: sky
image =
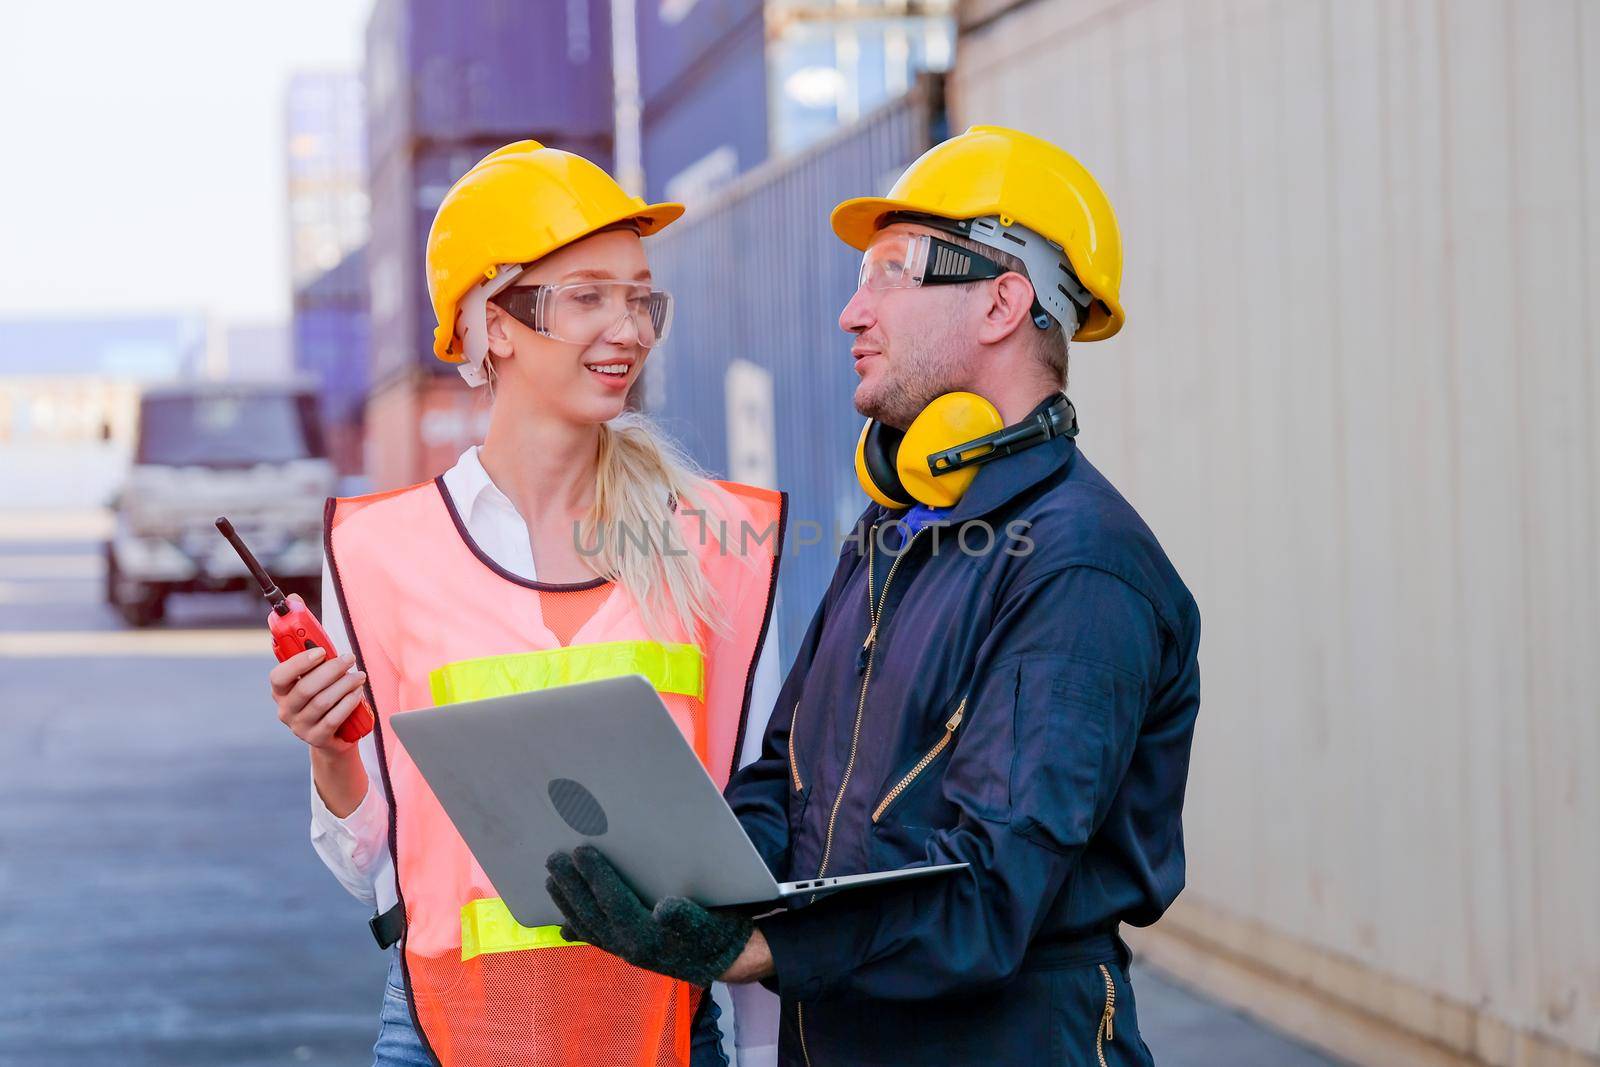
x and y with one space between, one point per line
141 151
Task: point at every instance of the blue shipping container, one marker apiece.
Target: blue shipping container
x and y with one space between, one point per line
712 126
445 72
760 279
332 336
678 36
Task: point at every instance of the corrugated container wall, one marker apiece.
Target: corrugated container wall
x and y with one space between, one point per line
1355 399
446 85
332 344
440 71
695 142
394 267
679 37
759 280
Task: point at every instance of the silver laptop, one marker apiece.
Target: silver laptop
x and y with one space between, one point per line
600 763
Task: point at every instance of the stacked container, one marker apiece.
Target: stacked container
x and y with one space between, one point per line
446 85
332 341
702 77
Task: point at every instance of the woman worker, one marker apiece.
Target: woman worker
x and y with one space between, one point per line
573 544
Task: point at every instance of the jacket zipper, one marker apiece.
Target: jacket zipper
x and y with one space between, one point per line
794 767
874 610
922 764
1103 1034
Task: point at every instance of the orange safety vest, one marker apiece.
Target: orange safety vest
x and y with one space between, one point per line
433 621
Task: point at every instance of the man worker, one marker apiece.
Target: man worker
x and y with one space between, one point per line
1002 672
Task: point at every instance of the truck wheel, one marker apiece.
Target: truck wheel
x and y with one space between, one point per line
148 610
111 576
147 606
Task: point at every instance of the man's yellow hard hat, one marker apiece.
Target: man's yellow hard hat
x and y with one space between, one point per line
518 204
990 170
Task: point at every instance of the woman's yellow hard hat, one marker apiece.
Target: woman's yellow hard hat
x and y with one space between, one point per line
990 170
518 204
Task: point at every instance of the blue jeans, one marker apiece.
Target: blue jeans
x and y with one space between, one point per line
399 1046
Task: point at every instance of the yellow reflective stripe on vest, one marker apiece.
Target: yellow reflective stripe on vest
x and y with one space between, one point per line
487 926
674 668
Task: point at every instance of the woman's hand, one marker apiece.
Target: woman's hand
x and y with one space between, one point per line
314 697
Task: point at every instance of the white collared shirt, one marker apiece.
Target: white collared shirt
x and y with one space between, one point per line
356 848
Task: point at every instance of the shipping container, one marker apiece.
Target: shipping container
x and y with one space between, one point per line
395 280
711 126
756 379
332 346
439 72
417 426
325 171
677 38
1355 399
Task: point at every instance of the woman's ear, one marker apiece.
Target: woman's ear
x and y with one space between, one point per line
497 331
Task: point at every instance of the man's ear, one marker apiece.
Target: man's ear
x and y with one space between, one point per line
498 333
1009 309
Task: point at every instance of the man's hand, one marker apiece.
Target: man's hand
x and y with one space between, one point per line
679 939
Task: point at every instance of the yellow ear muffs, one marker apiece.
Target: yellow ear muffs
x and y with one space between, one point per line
950 420
893 467
875 453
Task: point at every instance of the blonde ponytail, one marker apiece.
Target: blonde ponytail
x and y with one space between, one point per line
632 532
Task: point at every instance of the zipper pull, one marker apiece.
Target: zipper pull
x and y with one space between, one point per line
955 720
865 652
1109 1013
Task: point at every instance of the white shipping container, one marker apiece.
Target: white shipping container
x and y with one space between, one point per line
1356 399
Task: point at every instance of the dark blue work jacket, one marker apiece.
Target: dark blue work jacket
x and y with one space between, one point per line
1027 710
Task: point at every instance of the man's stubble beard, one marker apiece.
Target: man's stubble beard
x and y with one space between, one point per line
913 379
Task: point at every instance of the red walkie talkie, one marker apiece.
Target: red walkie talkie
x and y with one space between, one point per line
295 629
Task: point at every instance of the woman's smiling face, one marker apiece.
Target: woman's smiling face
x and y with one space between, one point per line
582 380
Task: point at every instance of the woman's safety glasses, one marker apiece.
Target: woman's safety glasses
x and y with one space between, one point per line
582 313
907 260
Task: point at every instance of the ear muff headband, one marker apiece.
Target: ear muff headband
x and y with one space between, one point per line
1060 419
935 460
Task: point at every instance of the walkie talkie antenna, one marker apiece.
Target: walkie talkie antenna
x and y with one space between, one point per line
269 588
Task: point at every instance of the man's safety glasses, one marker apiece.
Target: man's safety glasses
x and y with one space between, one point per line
582 313
908 260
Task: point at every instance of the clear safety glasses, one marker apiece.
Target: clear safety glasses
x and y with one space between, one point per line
582 313
908 260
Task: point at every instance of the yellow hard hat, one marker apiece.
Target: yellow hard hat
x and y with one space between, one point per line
518 204
990 170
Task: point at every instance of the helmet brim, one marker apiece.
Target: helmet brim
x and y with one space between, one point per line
855 221
653 218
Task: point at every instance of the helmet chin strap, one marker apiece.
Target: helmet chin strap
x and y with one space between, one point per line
472 323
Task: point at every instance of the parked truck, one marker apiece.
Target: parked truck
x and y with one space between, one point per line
252 452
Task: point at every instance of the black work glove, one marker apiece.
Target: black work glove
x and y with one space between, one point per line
679 938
